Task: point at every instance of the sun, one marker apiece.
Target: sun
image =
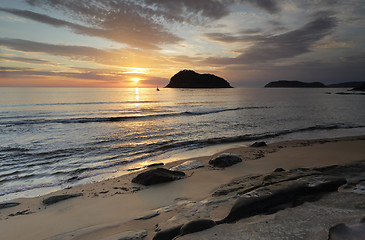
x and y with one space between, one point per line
136 80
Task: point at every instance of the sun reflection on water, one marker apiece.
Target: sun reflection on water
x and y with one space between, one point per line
137 97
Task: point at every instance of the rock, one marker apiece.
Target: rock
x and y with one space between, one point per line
188 165
155 165
258 144
8 205
191 79
149 216
129 235
196 226
294 84
279 170
168 234
225 160
344 232
58 198
273 197
157 175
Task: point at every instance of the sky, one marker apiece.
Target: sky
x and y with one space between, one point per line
143 43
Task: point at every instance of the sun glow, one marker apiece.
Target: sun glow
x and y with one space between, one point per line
136 80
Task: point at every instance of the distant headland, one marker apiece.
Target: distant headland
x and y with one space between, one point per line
299 84
191 79
294 84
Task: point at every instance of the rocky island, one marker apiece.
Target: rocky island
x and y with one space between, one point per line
191 79
294 84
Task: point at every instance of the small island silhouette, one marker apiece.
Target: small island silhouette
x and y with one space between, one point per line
190 79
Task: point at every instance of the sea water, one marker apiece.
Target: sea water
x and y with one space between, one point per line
52 138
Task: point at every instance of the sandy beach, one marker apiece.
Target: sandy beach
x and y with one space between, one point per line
118 208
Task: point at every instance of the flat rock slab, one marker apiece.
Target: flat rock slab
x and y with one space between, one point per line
59 198
158 175
168 234
196 226
271 198
129 235
225 160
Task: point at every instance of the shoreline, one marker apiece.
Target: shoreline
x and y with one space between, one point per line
116 202
170 158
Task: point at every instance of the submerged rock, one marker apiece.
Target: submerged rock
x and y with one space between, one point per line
8 205
188 165
344 232
157 175
225 160
59 198
155 165
259 144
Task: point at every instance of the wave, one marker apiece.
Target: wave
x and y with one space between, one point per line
247 137
74 104
121 118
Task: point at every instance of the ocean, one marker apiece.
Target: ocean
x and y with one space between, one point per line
53 138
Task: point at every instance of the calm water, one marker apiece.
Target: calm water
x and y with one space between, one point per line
53 138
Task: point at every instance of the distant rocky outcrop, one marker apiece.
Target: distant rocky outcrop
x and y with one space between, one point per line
346 85
191 79
294 84
357 86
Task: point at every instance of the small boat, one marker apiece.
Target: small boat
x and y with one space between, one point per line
157 89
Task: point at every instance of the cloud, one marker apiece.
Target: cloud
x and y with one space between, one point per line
137 34
116 57
188 10
270 6
289 44
26 60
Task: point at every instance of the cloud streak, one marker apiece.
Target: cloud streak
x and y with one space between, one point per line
121 32
285 45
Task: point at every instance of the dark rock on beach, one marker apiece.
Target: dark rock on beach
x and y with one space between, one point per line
59 198
274 197
259 144
157 175
344 232
191 79
279 170
8 205
225 160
